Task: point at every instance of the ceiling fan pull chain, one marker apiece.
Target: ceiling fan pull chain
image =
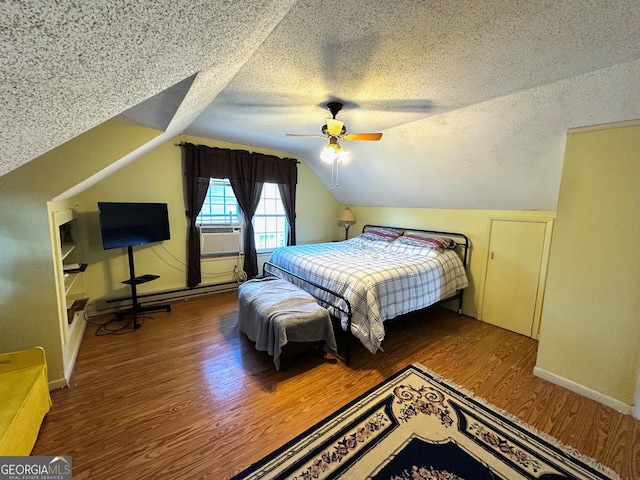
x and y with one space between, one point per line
333 175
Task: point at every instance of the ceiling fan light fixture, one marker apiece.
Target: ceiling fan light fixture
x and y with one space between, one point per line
343 156
328 154
333 152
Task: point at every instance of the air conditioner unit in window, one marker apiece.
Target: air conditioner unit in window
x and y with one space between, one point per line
220 240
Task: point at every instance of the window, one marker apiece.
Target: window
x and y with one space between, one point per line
270 226
220 205
270 221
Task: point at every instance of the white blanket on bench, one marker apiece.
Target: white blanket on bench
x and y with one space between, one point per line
273 312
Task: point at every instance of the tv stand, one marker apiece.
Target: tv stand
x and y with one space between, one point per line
133 282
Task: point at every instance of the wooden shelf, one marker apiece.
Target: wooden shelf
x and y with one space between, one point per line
69 280
66 249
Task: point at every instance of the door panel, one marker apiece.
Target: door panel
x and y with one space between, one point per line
513 272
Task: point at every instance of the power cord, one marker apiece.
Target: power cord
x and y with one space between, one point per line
116 326
240 276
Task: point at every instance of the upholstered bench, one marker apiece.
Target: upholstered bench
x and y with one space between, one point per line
273 312
24 399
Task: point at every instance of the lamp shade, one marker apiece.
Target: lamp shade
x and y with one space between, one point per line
347 216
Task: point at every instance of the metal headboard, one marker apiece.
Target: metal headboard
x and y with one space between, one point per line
465 244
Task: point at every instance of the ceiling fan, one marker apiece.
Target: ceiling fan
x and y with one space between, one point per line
336 129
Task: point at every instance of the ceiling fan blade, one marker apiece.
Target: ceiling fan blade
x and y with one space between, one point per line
304 135
362 136
334 127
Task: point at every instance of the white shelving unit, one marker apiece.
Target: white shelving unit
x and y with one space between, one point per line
72 299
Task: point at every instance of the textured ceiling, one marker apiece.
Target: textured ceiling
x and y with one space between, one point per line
473 98
68 66
158 111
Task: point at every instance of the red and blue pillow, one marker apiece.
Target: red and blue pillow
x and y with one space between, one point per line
418 239
381 234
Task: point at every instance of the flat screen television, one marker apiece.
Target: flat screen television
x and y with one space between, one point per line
125 224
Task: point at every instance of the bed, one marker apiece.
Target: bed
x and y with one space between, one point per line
379 275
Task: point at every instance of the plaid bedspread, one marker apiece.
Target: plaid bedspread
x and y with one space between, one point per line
380 280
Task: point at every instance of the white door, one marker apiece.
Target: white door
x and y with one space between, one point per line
513 273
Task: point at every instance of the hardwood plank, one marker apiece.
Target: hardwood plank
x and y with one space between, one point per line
187 396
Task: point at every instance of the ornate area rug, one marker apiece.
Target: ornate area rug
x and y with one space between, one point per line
418 426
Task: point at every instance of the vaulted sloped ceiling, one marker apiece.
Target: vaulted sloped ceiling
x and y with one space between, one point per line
68 66
473 98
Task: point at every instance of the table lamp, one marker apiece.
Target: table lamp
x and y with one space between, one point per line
347 218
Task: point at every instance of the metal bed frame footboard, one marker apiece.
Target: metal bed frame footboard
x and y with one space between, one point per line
346 310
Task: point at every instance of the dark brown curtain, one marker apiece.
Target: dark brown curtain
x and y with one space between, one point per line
288 196
197 188
248 195
247 173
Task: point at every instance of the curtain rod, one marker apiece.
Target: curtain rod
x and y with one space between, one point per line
182 144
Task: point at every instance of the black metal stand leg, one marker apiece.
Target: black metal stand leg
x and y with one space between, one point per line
134 312
136 308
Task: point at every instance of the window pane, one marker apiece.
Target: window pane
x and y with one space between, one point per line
220 205
270 223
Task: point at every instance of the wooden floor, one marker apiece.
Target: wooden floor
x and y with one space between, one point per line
186 396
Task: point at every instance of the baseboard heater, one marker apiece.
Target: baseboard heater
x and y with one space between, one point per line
113 304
